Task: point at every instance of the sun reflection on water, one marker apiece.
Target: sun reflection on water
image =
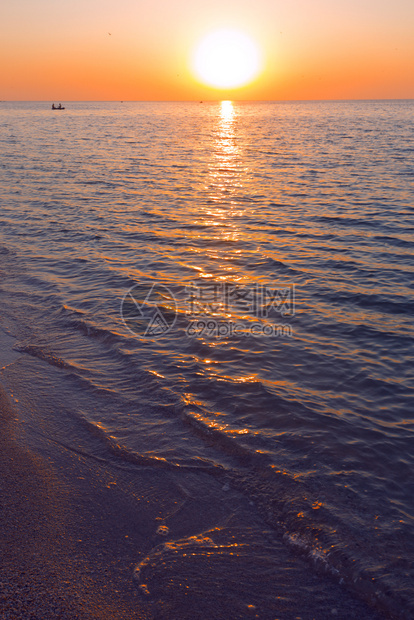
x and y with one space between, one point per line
225 174
227 111
226 149
223 211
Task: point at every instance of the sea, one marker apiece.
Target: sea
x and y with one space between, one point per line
222 292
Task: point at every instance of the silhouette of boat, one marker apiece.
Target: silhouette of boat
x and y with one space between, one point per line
59 107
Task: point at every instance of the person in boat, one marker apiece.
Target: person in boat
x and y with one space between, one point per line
53 106
59 106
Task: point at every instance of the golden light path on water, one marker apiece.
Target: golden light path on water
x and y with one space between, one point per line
227 179
225 176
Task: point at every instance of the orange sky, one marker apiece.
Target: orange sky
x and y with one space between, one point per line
325 49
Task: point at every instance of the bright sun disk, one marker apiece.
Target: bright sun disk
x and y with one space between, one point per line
227 59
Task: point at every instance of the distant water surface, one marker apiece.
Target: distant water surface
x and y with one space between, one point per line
291 221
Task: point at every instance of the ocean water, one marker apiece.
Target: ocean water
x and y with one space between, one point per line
226 289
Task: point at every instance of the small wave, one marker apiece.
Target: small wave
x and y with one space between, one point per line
91 330
271 264
118 450
394 241
43 354
377 303
346 221
221 437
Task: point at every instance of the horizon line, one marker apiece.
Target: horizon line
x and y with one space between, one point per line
197 100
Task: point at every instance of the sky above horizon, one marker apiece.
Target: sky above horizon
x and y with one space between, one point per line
144 50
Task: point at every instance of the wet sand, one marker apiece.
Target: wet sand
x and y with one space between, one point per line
48 569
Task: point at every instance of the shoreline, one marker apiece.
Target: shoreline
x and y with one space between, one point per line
72 534
74 528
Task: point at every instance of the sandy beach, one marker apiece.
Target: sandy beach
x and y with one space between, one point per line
48 569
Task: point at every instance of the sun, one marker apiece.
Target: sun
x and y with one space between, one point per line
227 59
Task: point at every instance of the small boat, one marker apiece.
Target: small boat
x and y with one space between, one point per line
59 107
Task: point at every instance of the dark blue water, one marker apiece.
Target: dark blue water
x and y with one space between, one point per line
226 288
